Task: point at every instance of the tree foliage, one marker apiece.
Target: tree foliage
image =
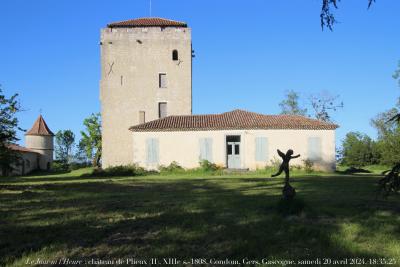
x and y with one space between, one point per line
9 107
64 143
91 138
290 105
359 150
327 17
388 135
323 104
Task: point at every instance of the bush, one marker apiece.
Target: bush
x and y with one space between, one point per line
59 166
127 170
207 166
308 165
78 165
275 163
173 167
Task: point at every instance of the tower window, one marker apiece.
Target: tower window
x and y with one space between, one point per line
162 109
175 55
142 117
162 80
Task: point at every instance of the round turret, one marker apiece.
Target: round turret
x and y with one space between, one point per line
40 139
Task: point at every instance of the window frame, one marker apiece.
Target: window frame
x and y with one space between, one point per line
159 109
162 85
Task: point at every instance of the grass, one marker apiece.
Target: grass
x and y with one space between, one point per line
194 216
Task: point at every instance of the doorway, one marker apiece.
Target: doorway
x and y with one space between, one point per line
233 151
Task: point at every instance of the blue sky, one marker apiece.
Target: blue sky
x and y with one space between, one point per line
248 54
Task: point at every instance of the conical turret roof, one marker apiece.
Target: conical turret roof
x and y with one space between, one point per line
40 128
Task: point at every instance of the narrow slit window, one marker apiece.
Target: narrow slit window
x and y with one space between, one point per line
122 80
175 55
162 110
142 117
162 80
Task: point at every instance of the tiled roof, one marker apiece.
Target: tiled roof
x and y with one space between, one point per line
40 128
147 22
236 119
19 148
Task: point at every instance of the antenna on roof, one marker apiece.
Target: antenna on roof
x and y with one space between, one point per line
150 8
40 111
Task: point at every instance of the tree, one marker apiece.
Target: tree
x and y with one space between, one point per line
64 143
359 150
323 104
91 138
290 105
388 135
396 76
8 131
326 15
383 122
80 155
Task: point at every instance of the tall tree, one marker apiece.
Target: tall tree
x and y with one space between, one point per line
8 131
91 138
290 105
64 143
323 104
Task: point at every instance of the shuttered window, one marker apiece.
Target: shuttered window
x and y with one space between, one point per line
314 148
206 149
152 150
162 109
162 80
261 149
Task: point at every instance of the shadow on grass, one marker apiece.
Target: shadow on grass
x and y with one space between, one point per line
204 218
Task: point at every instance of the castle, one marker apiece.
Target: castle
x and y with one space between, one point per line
38 151
146 107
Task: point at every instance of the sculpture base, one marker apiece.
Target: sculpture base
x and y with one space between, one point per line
288 192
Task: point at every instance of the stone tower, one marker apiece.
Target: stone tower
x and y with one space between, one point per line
146 73
40 139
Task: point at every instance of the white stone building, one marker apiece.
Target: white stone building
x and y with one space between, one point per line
146 86
38 151
237 140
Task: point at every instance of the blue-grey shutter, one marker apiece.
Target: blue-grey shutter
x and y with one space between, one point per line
148 150
155 150
314 148
152 150
202 148
261 149
209 149
205 149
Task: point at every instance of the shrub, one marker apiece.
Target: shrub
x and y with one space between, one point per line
295 167
78 165
308 165
275 163
59 166
173 167
127 170
207 166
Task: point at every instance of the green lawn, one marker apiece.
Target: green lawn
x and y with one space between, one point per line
186 217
